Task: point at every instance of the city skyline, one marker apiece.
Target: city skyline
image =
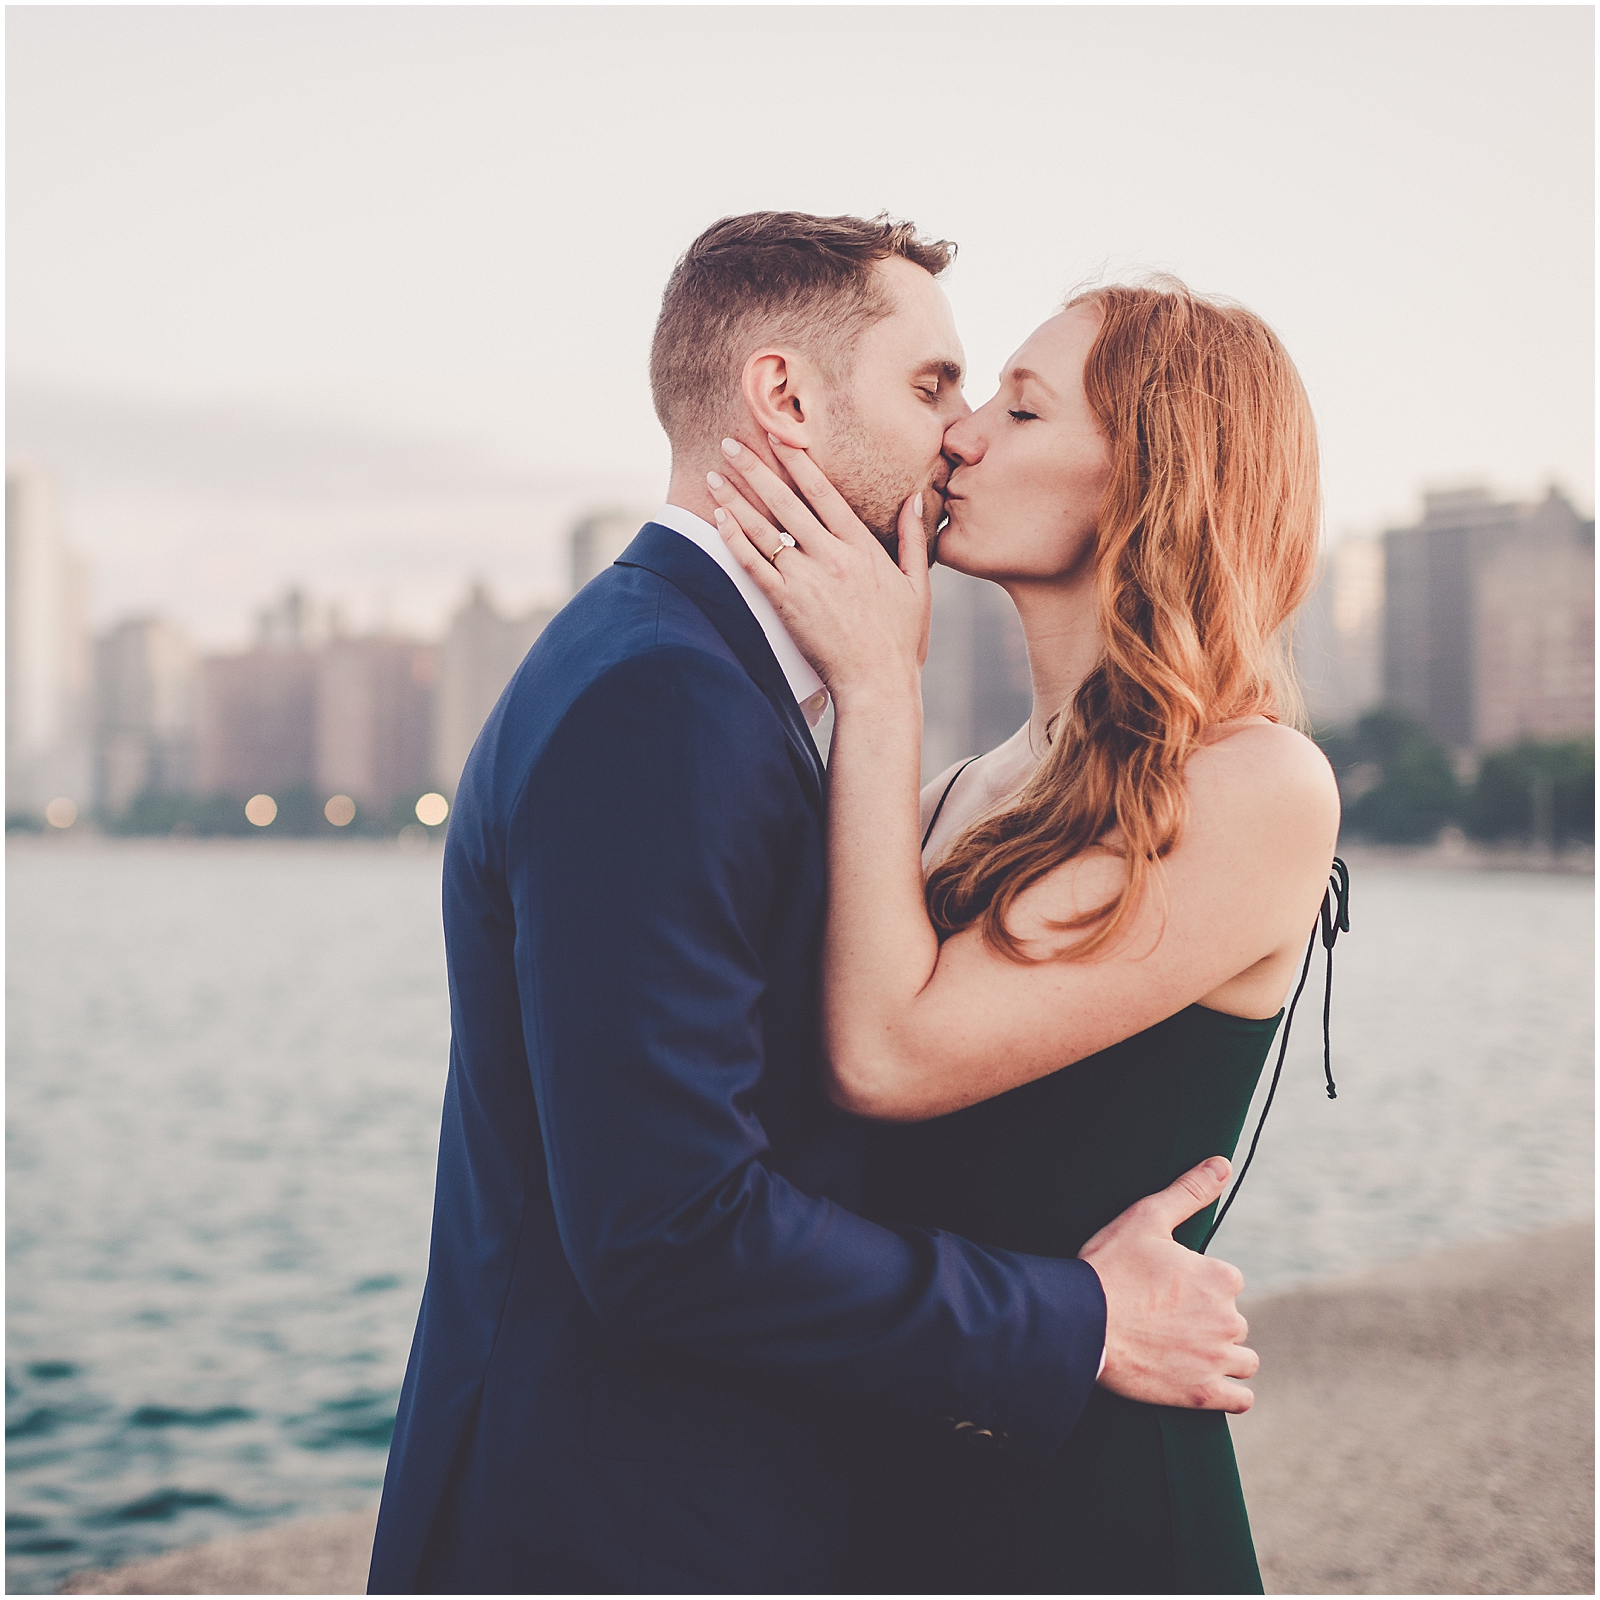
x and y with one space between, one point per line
1476 623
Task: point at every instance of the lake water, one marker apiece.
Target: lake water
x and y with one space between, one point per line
226 1065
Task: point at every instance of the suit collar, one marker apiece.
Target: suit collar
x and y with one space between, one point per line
802 676
689 569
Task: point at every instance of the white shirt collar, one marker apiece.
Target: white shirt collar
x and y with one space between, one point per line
802 677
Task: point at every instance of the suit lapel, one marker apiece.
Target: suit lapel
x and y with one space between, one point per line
689 569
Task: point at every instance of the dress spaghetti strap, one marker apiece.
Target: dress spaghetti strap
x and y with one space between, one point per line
1332 920
942 798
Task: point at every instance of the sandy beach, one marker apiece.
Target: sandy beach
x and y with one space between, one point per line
1425 1429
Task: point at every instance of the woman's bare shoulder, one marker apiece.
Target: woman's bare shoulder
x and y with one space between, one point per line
1256 773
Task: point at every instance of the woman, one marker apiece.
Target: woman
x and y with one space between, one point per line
1075 1003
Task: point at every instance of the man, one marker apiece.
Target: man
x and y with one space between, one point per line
656 1341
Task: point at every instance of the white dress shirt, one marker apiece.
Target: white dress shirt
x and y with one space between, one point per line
802 678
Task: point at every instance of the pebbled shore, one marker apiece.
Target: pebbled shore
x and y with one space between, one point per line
316 1555
1429 1428
1424 1429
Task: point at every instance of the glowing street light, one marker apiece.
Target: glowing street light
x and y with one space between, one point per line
61 812
340 810
260 809
432 809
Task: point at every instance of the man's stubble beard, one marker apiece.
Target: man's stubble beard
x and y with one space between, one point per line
863 471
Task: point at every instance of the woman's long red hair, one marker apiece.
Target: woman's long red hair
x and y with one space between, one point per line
1206 545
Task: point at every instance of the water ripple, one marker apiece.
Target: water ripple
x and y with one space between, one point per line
225 1073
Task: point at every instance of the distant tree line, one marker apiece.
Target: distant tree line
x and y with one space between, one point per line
1398 786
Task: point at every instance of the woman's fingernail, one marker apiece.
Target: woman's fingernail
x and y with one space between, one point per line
916 508
772 438
720 515
731 447
714 479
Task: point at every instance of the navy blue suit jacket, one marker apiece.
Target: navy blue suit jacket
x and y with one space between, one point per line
656 1342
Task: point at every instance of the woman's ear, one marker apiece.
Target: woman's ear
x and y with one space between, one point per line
780 388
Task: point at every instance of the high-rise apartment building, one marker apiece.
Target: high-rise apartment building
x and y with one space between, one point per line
1338 635
48 654
480 652
257 723
146 691
374 713
292 622
309 709
1533 628
1489 619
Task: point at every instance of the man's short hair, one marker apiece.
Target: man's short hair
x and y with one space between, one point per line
771 276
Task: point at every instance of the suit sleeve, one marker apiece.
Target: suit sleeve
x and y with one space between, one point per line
642 859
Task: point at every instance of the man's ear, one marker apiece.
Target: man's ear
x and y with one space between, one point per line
781 390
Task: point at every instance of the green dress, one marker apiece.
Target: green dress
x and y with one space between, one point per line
1140 1499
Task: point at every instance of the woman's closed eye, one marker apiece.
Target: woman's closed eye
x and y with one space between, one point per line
1023 416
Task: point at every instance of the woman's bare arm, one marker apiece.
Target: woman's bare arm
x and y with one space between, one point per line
915 1029
909 1039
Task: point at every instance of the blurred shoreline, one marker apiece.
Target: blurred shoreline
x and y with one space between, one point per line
1426 1428
1451 853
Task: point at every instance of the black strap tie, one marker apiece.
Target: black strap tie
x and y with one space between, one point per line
1332 920
1335 920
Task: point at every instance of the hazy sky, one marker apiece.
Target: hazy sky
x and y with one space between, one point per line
374 285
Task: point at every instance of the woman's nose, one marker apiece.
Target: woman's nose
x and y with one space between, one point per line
963 440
